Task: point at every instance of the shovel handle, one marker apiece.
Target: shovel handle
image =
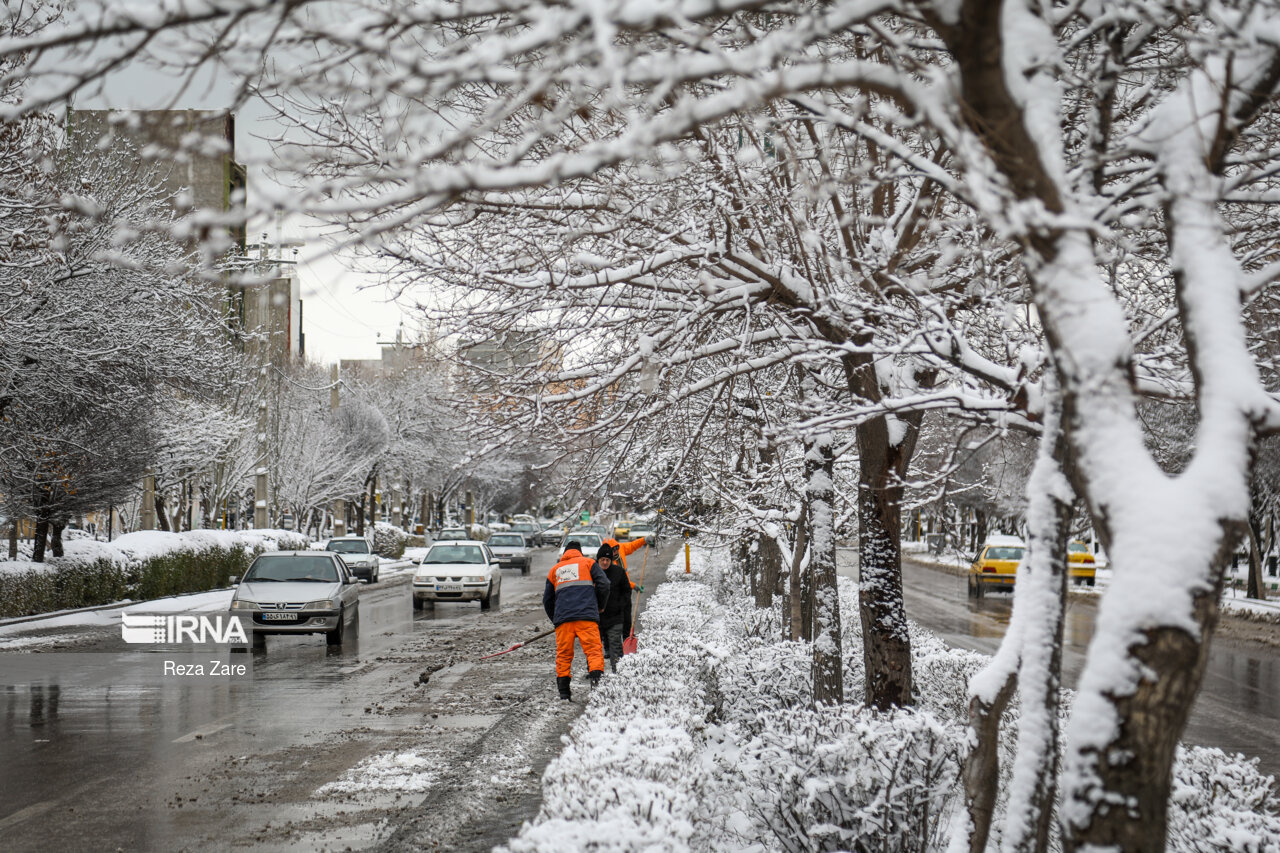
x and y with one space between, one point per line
519 645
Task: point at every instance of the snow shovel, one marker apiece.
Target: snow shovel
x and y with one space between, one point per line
519 645
630 644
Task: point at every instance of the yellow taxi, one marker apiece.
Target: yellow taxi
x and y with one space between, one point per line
1081 564
622 530
995 565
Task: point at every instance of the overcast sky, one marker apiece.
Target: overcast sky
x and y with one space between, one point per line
342 314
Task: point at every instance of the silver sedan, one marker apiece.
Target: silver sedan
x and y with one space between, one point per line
298 592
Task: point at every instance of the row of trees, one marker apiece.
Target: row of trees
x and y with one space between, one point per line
768 241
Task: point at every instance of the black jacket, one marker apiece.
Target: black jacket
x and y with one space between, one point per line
617 608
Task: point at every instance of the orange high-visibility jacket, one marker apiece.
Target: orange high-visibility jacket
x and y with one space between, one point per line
576 589
625 548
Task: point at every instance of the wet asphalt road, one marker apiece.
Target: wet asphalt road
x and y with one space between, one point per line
90 763
1237 710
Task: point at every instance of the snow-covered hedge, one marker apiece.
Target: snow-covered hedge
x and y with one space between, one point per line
705 740
143 565
389 541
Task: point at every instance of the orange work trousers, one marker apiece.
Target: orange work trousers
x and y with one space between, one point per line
588 636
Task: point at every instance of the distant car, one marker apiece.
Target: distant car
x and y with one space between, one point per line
604 532
298 592
1081 564
995 565
529 530
464 570
645 530
357 553
590 542
452 534
622 530
512 551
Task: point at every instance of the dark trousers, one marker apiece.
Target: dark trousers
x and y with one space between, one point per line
613 637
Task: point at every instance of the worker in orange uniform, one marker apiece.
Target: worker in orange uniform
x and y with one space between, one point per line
625 548
575 594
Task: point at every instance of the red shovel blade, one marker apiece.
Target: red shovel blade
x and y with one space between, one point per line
630 644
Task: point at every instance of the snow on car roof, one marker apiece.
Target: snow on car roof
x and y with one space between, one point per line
1005 541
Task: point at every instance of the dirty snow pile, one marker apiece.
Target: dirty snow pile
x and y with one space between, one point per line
704 740
398 772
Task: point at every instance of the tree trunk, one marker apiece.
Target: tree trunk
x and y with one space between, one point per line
770 570
828 657
42 535
373 497
55 537
13 539
886 645
1255 587
1135 765
1040 598
982 764
360 516
162 517
792 613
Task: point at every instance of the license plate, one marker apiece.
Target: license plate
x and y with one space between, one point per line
279 617
448 587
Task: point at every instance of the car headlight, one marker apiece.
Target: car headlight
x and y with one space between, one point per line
244 605
327 604
474 579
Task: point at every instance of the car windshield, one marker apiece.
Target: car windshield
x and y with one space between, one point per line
590 542
292 567
453 533
524 527
454 554
1004 553
506 539
343 546
1078 547
642 528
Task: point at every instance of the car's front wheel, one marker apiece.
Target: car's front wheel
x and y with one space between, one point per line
373 578
489 595
338 634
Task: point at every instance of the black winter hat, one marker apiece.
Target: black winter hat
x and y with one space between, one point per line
607 551
573 545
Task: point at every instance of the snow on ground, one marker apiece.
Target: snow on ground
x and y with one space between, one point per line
397 772
705 741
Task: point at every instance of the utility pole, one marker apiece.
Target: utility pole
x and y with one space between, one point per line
471 511
148 520
339 505
260 503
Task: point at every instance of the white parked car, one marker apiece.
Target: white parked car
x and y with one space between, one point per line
453 534
464 570
298 592
357 553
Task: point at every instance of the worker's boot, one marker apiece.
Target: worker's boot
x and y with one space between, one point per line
595 676
562 684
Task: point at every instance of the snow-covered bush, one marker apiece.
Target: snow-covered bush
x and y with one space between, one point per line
389 541
848 778
1222 804
140 565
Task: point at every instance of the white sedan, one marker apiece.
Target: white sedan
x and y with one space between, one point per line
458 571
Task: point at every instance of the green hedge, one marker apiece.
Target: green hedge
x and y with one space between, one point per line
62 587
71 584
188 571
